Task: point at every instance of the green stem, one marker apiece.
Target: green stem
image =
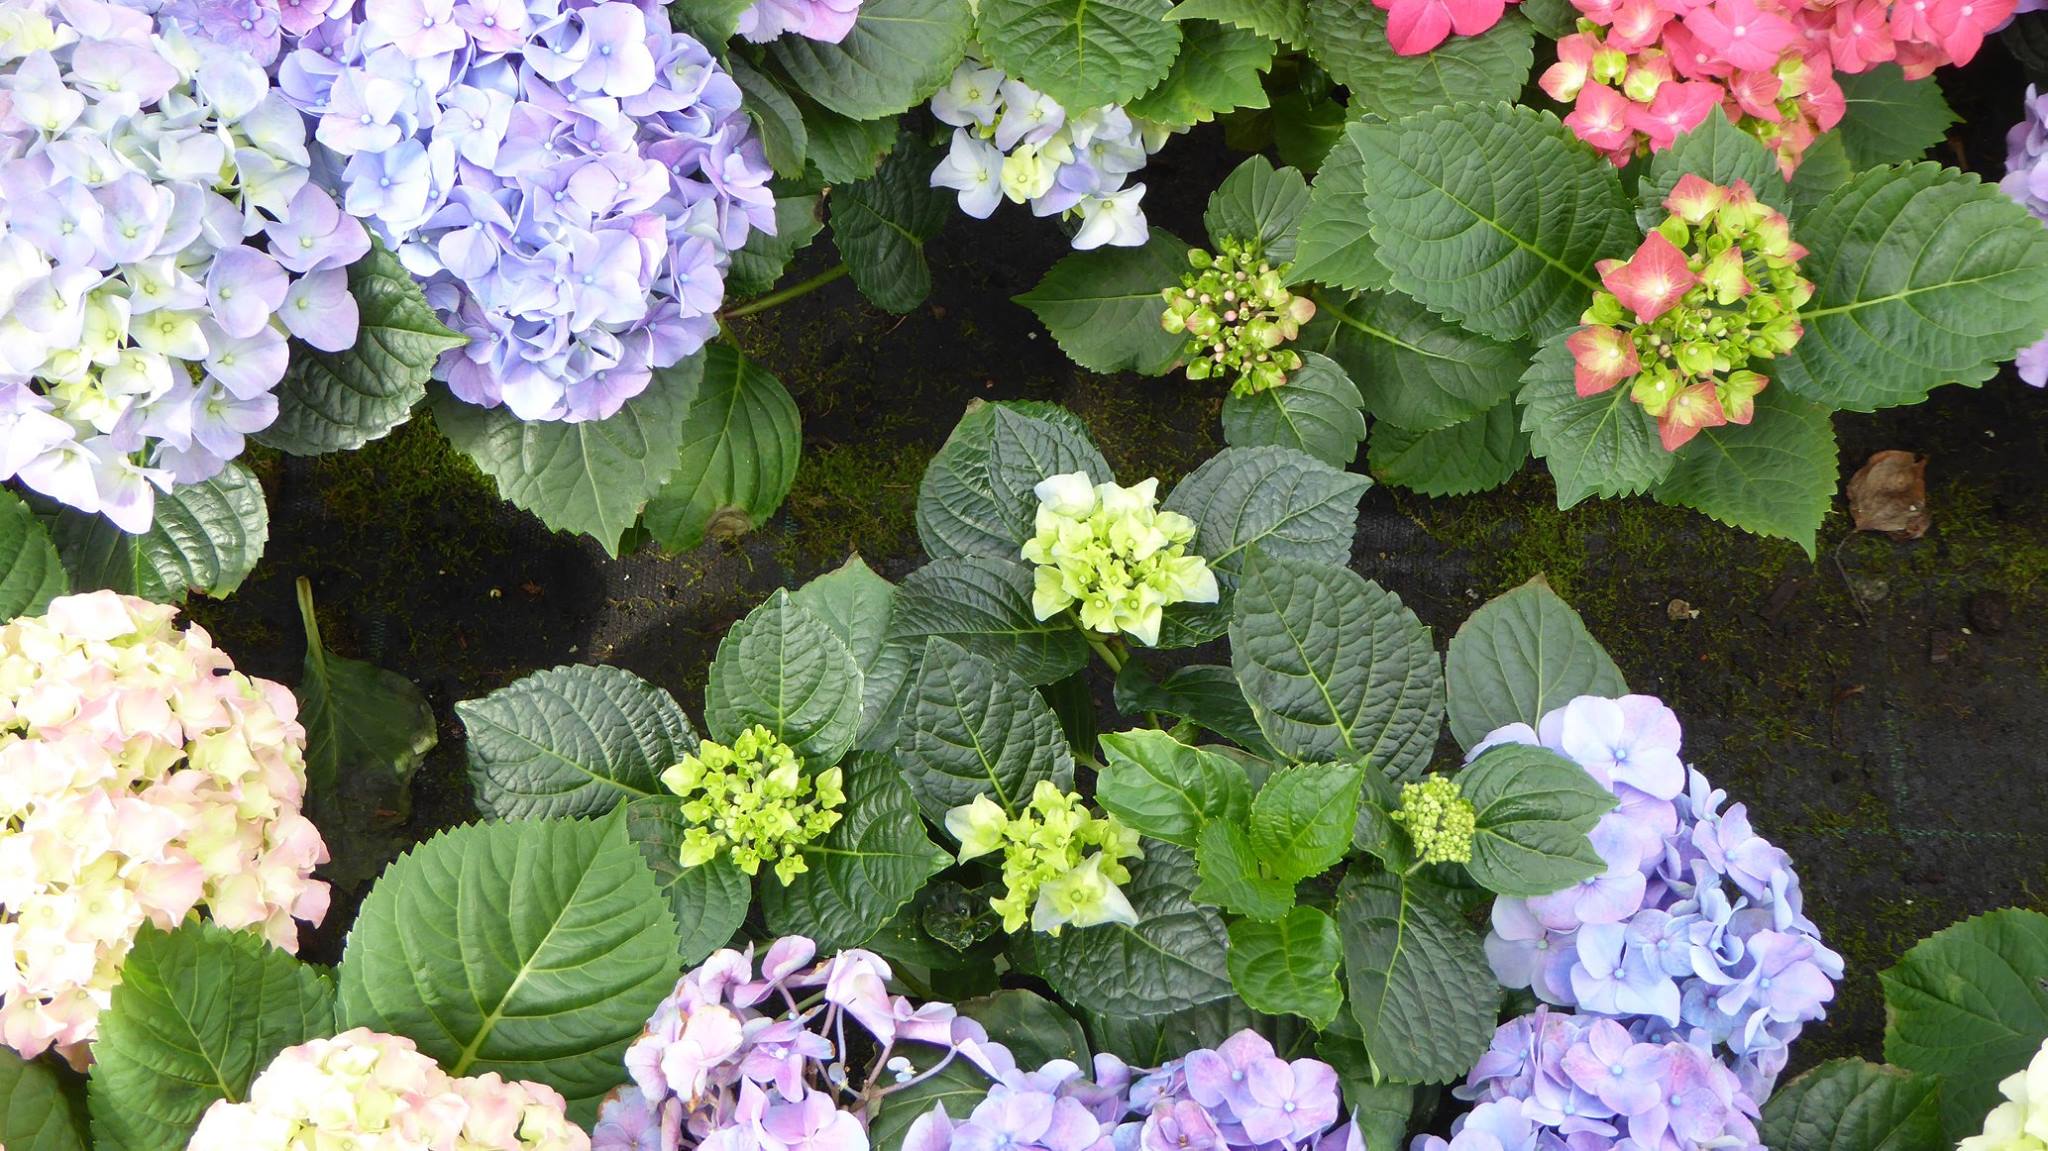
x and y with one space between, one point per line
794 291
1108 653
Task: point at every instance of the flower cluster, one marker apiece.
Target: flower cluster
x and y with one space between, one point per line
1713 287
142 323
1049 875
1108 549
141 778
1012 142
566 178
1695 928
2026 180
1439 820
1236 1097
735 1061
2021 1122
375 1092
754 802
826 20
1552 1081
1416 26
1237 311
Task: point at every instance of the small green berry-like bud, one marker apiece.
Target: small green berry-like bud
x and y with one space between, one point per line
1439 820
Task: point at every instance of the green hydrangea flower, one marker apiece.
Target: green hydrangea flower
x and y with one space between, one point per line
753 801
1439 820
1108 550
1237 311
1050 877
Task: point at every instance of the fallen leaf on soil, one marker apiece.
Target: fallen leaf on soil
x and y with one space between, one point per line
1889 494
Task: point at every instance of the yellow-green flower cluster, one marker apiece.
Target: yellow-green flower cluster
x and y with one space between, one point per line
1237 311
1061 863
1439 820
2020 1123
1109 550
754 802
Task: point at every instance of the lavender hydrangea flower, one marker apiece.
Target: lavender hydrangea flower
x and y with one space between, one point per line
1695 930
826 20
566 178
157 224
2026 180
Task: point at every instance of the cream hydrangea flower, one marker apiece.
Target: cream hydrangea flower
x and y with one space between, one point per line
2021 1122
142 779
1111 551
753 802
1061 862
368 1091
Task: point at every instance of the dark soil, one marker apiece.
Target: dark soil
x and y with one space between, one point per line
1882 710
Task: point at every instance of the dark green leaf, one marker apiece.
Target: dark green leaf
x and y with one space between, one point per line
1888 119
206 537
1082 53
783 668
1519 656
1482 452
42 1108
1598 445
1163 788
882 224
977 494
1288 966
710 900
1258 203
1533 810
1280 20
1206 695
1035 1029
864 870
1413 367
1716 151
31 575
845 151
1335 246
571 741
1774 476
1165 962
1218 70
1349 37
777 121
899 53
738 454
856 604
1970 1004
1315 411
1103 306
1270 500
976 728
1850 1105
799 217
984 605
1420 986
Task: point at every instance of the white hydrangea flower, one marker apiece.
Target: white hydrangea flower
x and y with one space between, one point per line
1108 551
2021 1122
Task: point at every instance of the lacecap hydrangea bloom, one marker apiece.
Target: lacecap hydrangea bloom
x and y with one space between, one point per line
2026 180
567 179
1110 552
2020 1122
826 20
757 1058
142 321
1553 1081
1012 142
1695 929
1237 312
142 779
1712 288
753 802
1061 863
368 1091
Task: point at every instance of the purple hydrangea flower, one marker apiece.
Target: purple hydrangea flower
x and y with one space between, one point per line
2026 180
826 20
1695 930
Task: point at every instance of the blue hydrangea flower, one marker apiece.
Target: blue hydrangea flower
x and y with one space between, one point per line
566 178
2026 180
826 20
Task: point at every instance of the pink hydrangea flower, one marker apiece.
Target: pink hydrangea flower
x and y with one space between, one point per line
1416 26
1651 282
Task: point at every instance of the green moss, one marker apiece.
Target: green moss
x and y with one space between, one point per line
414 492
1145 427
852 497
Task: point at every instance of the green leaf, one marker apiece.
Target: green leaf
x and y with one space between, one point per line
783 668
1774 476
799 217
1923 276
1533 810
1206 695
198 1014
1164 962
712 21
592 477
1414 368
1716 151
1824 168
976 728
31 574
41 1107
899 53
1279 502
1419 983
1163 788
1598 445
571 741
1082 53
1260 203
846 151
1519 656
1335 243
1218 70
1888 119
1970 1004
205 537
1850 1105
1493 215
1035 1029
1315 412
1336 667
710 900
1232 876
367 732
864 870
984 606
777 120
1349 37
1103 306
1288 966
737 458
535 949
882 224
1306 125
1302 818
977 494
1281 20
856 604
1483 452
338 401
